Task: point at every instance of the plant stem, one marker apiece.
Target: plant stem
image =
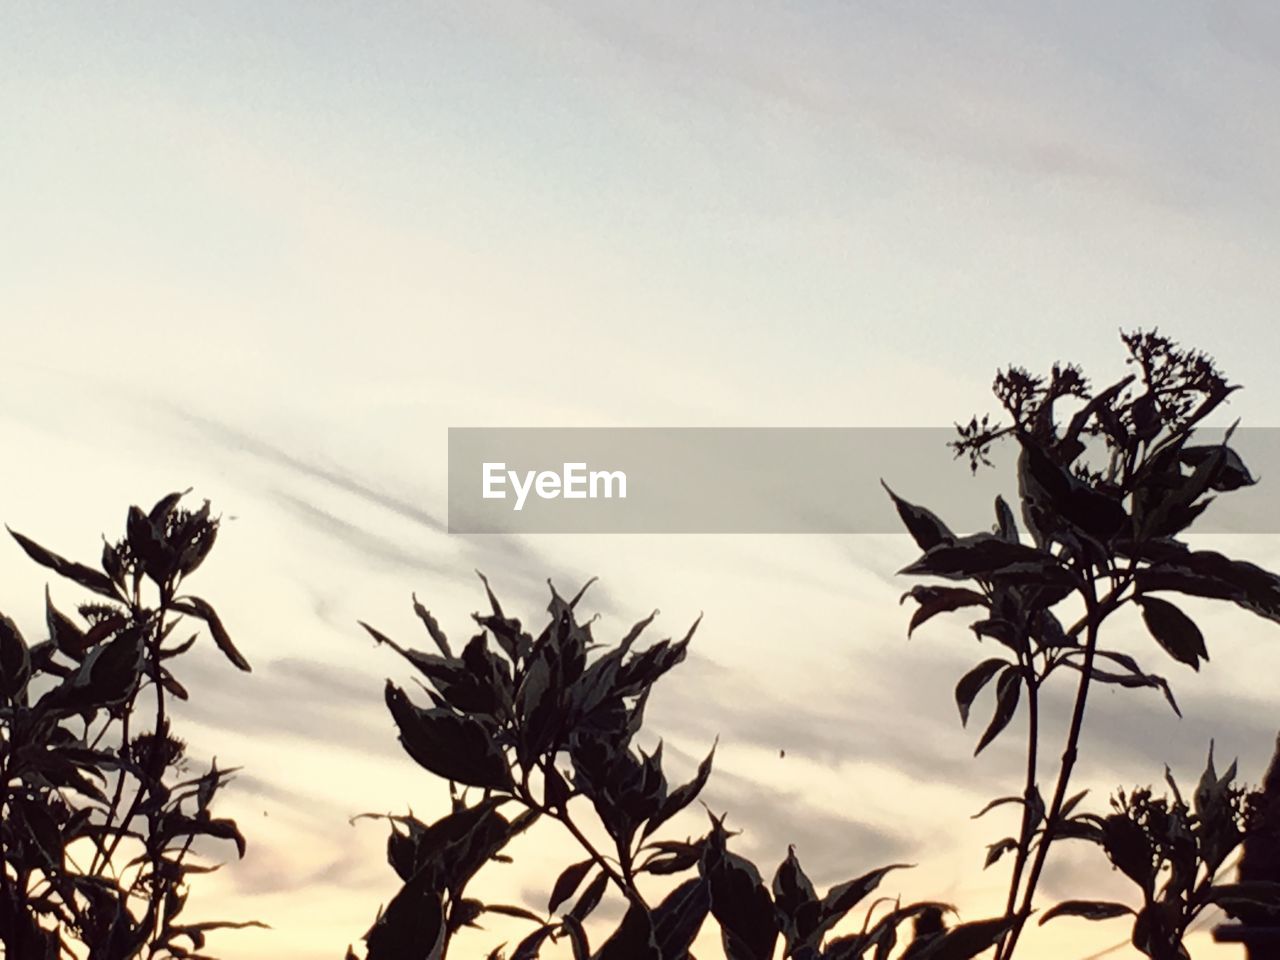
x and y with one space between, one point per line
1093 620
1027 830
623 883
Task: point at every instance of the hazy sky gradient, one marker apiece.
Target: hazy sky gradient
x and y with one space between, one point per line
273 251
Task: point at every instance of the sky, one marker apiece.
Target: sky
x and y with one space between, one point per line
274 251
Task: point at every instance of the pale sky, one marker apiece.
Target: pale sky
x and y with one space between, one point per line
273 251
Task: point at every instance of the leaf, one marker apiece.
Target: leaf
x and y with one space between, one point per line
1230 473
15 659
998 849
1006 525
433 628
998 802
1052 491
1204 573
1008 691
410 928
681 796
527 949
966 941
739 901
510 910
567 883
66 636
1129 848
936 600
633 940
111 671
1133 681
204 611
451 746
924 526
677 919
577 938
1089 909
87 577
796 900
986 556
971 684
1173 630
590 898
844 897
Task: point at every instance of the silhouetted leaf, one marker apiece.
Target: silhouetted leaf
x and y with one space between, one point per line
111 671
986 556
1134 681
15 659
935 600
433 628
843 897
1008 691
971 684
527 949
677 919
1174 631
1204 573
672 856
1006 525
1129 848
1230 472
1054 491
681 796
739 901
999 802
578 939
450 746
966 941
633 940
87 577
567 883
66 636
998 849
590 898
924 526
1089 909
797 902
204 611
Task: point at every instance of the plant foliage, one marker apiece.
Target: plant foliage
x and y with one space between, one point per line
100 809
1109 480
527 728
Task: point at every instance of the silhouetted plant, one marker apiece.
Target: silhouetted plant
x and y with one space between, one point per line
1104 534
99 809
1175 852
546 725
1260 862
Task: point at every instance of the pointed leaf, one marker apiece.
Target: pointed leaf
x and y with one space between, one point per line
1089 909
1008 691
924 526
1174 631
971 684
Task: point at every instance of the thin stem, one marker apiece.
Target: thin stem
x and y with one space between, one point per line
1093 616
622 881
1027 830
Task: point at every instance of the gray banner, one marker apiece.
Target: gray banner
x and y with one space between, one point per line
762 480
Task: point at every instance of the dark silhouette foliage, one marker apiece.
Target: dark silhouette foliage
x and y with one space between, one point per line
99 809
1174 851
1105 524
544 727
1109 480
